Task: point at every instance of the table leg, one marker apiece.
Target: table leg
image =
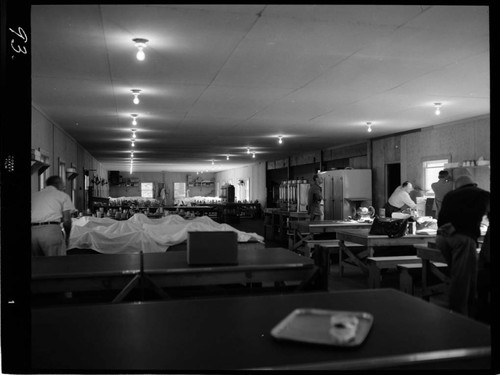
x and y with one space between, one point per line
373 276
355 259
406 281
425 271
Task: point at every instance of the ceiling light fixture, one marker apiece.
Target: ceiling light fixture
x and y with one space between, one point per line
213 162
133 142
140 43
438 108
133 133
280 139
227 157
369 127
248 150
134 116
136 93
253 155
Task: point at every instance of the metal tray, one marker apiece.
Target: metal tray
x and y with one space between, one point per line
313 326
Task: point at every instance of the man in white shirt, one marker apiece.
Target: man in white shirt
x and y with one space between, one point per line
400 199
48 207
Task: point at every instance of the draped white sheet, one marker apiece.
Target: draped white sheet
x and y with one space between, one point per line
139 233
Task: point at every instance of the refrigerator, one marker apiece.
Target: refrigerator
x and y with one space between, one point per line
344 191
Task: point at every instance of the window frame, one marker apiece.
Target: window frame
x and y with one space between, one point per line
147 190
430 172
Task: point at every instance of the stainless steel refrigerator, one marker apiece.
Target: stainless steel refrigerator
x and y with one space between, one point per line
344 191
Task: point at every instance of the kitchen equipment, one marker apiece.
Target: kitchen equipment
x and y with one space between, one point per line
365 213
344 191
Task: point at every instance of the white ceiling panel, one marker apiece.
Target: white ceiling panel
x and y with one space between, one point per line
220 78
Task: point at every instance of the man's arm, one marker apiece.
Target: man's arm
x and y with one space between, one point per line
67 225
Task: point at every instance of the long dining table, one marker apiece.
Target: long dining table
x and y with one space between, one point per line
304 230
124 272
363 237
234 333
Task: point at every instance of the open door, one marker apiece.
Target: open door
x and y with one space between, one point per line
392 178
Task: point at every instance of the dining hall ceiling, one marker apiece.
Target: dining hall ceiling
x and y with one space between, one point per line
218 79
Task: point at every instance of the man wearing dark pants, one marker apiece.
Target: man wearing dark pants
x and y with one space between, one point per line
459 224
49 207
314 201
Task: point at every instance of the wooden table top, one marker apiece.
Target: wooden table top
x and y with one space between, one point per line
234 333
248 259
328 225
175 261
85 265
363 237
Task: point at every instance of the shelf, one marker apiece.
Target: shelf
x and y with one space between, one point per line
39 166
467 166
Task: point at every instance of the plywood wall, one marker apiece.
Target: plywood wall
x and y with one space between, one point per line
256 173
462 140
61 147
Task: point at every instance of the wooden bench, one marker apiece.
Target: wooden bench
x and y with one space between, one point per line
376 264
409 272
332 245
296 239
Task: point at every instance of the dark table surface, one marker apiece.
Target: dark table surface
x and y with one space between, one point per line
248 259
234 333
85 265
119 264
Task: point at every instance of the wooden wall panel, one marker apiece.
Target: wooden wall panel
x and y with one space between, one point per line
343 152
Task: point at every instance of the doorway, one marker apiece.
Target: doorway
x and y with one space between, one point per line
392 178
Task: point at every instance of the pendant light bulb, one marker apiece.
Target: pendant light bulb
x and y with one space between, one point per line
140 43
140 54
133 142
280 139
248 150
369 127
134 118
438 108
227 157
253 155
136 93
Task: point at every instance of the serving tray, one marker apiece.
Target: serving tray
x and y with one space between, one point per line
313 326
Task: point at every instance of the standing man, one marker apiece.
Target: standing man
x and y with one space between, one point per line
400 199
48 207
314 200
440 188
459 224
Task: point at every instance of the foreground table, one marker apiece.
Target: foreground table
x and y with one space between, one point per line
234 333
163 270
363 237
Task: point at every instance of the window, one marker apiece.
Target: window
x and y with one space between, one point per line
179 191
431 172
146 189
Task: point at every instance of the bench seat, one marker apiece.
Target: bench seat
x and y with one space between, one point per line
410 272
376 264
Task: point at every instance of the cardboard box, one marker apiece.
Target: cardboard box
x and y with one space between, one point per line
212 248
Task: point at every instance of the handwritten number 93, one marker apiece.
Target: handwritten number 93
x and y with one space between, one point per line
18 48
